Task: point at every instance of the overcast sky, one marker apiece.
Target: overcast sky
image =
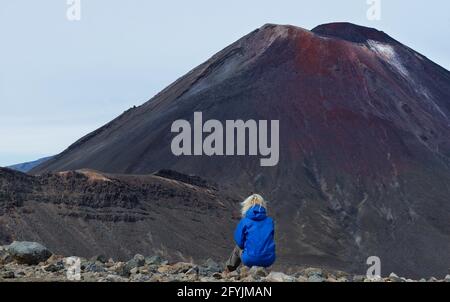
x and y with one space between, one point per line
61 79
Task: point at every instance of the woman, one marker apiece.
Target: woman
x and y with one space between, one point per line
254 236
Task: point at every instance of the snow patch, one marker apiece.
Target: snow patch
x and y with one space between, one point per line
387 52
389 55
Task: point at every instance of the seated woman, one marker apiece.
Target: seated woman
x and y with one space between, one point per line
254 236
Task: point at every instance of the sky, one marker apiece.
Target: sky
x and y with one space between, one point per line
61 79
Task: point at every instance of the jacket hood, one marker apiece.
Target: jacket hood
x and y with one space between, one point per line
256 212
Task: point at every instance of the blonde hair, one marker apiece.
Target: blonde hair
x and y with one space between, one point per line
252 200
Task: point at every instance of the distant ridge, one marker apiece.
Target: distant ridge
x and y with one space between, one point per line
26 167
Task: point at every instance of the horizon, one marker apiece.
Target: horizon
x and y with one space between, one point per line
61 79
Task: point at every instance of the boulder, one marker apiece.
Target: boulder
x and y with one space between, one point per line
30 253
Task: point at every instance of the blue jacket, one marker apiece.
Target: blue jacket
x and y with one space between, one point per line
255 236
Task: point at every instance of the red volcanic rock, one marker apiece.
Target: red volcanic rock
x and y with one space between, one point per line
364 143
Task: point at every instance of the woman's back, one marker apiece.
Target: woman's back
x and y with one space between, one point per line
255 236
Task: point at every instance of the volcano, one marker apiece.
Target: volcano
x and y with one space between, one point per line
364 143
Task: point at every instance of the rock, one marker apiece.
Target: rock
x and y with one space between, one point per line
139 260
316 278
302 279
139 278
314 274
144 270
19 273
94 267
359 278
342 279
393 275
8 275
55 267
180 267
155 260
233 275
309 272
192 274
394 278
5 257
54 258
279 277
190 277
100 258
115 278
249 278
257 272
128 268
341 274
213 266
28 252
193 271
207 279
447 278
217 275
121 269
243 271
374 279
156 278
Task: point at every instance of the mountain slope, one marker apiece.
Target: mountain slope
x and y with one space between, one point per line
26 167
90 213
364 142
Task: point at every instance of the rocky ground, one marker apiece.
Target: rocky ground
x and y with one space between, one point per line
32 262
